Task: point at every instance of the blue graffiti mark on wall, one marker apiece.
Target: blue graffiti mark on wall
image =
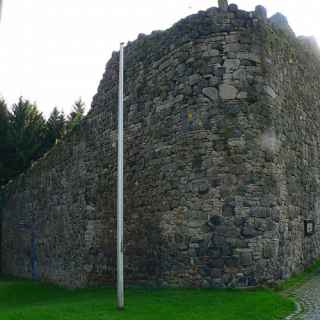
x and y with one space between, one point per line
33 257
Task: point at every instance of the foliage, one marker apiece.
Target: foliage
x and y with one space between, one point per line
56 126
25 300
4 145
76 115
4 118
25 135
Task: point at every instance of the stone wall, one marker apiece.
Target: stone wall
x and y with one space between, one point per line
221 164
292 77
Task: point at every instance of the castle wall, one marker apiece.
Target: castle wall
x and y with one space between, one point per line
292 78
220 171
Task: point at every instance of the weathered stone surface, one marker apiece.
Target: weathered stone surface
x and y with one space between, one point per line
212 53
270 92
223 5
231 65
221 165
228 208
249 231
280 21
215 221
211 93
261 12
227 92
268 251
245 257
242 95
233 7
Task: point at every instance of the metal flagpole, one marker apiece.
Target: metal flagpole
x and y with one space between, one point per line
120 285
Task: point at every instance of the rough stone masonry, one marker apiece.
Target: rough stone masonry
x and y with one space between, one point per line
222 164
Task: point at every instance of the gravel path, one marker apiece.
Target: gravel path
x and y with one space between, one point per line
308 296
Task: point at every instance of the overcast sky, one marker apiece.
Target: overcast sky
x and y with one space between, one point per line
54 51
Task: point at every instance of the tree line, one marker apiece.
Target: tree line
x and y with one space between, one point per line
25 135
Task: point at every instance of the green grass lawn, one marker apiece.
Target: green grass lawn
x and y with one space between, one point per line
26 300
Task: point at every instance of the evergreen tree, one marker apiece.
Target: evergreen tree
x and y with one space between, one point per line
4 119
27 133
55 127
5 150
76 115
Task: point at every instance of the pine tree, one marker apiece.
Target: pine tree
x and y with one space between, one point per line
76 115
55 127
5 152
4 120
27 133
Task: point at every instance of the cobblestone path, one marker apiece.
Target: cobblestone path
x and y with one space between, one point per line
308 296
